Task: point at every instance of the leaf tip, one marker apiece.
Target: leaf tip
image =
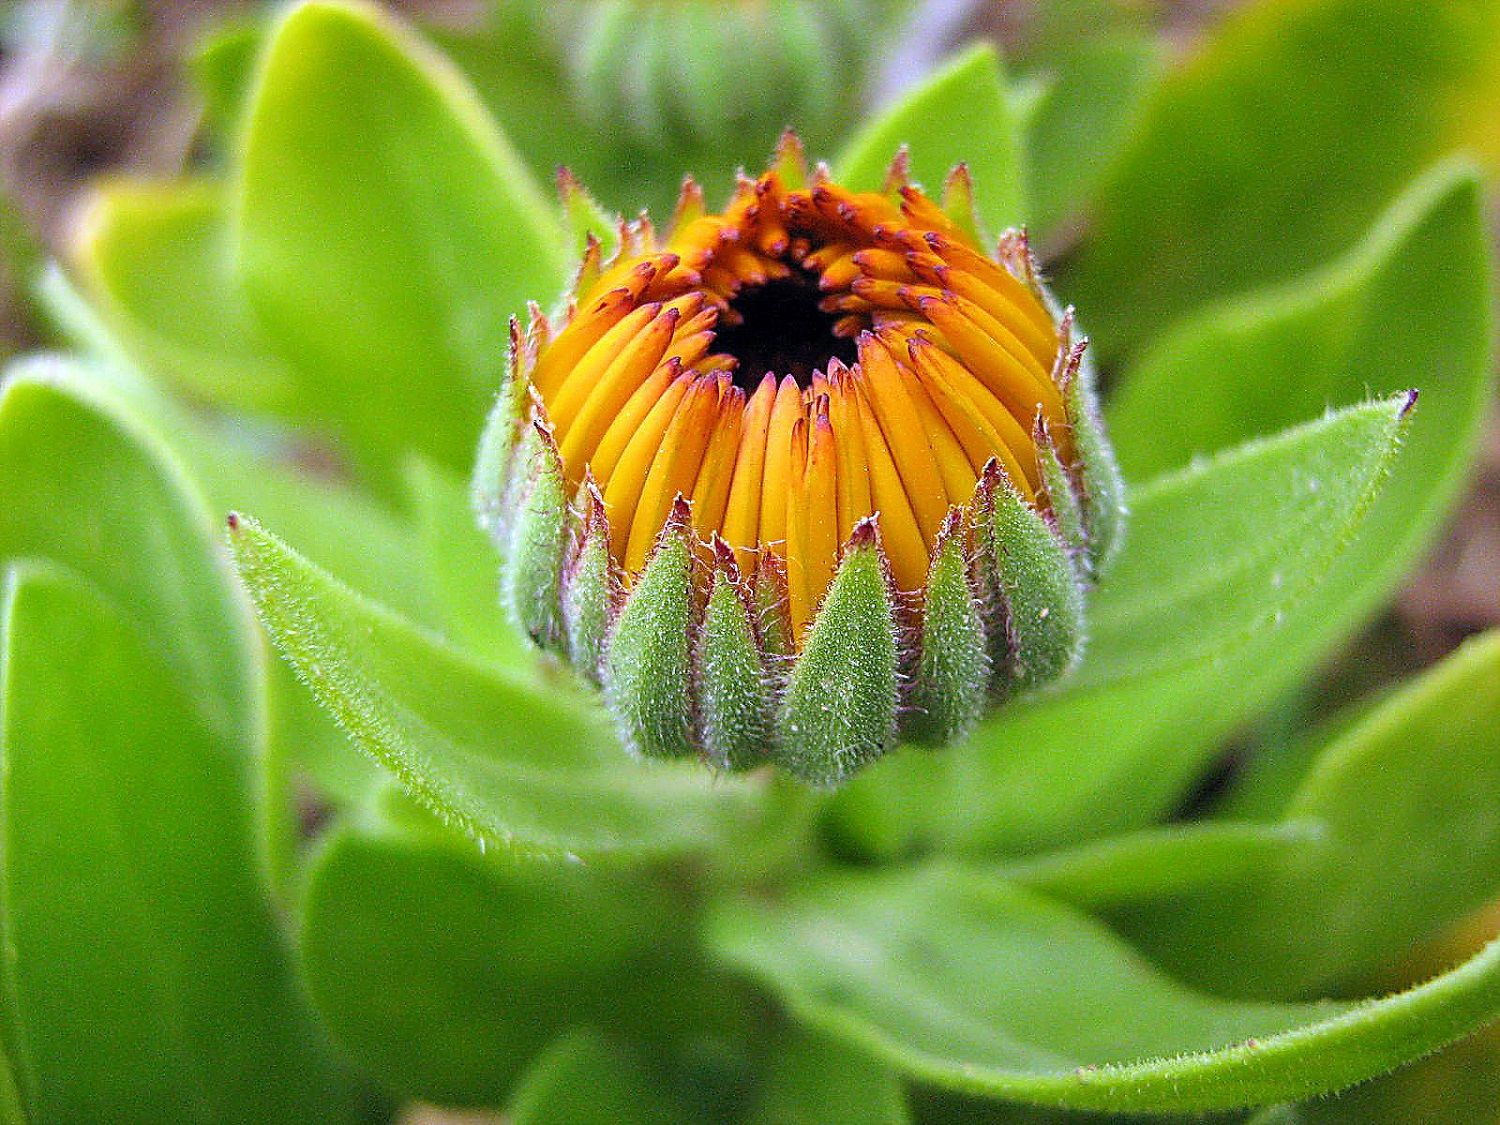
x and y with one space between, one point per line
1409 405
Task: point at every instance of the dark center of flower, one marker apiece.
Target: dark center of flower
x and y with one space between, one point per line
782 330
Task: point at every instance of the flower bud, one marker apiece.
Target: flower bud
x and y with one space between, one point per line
804 477
655 69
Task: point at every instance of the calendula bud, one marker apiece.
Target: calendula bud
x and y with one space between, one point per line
803 477
655 68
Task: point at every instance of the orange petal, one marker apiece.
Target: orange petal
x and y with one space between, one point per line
613 390
624 478
673 469
983 426
819 514
742 512
568 397
716 475
574 342
904 437
902 538
778 470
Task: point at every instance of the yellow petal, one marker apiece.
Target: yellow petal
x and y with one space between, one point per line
904 436
742 512
638 447
674 468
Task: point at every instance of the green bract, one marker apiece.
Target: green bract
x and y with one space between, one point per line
298 825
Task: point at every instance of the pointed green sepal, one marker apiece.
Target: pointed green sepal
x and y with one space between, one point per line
537 542
648 668
1035 582
1102 488
897 176
591 590
1013 251
1064 504
585 219
952 679
789 161
734 690
772 609
839 712
958 203
493 487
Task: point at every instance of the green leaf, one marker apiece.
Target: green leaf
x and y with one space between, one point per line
222 68
1460 1083
1218 561
1277 1115
1156 863
459 562
1404 308
1268 151
89 485
442 972
1218 550
1091 102
158 261
497 756
965 982
959 114
816 1079
387 231
1408 803
145 979
12 1111
583 1080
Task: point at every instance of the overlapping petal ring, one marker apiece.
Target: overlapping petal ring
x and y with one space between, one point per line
810 371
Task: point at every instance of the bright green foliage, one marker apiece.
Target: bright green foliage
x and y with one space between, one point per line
1156 863
376 192
968 96
222 69
968 982
1407 843
444 971
165 574
491 753
144 976
1091 96
815 1079
1269 149
582 1079
840 706
157 258
459 565
11 1111
130 715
